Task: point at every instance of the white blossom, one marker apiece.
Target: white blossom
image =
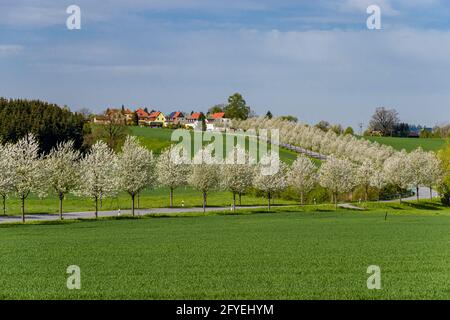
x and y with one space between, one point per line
27 169
397 171
237 172
135 169
338 176
6 173
302 176
204 175
62 171
172 170
270 183
99 178
364 175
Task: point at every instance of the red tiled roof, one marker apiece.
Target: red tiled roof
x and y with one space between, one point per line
154 114
218 115
141 113
177 115
195 116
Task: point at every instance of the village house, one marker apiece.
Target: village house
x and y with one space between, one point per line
112 115
156 119
175 118
101 119
128 114
142 116
217 121
194 121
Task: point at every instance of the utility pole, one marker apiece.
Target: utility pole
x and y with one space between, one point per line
361 125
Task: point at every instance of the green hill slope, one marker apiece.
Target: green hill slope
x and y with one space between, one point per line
158 139
410 144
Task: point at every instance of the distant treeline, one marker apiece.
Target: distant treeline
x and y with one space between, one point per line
50 123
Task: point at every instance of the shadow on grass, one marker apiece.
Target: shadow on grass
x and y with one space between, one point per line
325 210
425 206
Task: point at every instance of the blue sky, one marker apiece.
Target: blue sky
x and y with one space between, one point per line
313 59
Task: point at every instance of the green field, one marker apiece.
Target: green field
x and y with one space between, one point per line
157 139
314 253
410 144
157 198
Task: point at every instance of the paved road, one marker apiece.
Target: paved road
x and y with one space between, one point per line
424 194
138 212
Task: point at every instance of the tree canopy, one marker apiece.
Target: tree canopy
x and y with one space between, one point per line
49 123
237 107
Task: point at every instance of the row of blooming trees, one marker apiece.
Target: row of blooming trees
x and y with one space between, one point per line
102 173
314 139
366 163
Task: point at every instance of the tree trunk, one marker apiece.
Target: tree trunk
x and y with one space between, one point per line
23 209
101 201
335 195
204 202
132 204
171 197
431 193
301 198
268 196
366 194
61 197
401 196
240 199
417 195
96 208
4 204
234 201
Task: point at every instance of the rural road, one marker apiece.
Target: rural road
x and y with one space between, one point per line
138 212
424 194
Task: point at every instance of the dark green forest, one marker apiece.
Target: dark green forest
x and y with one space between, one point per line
50 123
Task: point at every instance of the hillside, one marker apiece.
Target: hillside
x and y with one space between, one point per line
157 139
410 144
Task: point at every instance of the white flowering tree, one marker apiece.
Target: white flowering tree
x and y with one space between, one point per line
172 170
62 171
427 169
135 169
338 176
378 179
418 163
270 178
398 172
433 173
204 175
99 176
364 176
27 169
6 173
302 176
237 172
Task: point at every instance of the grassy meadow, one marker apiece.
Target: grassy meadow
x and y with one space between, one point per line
410 144
157 139
291 253
156 198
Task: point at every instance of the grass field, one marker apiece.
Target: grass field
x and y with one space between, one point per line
157 139
157 198
409 144
309 253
